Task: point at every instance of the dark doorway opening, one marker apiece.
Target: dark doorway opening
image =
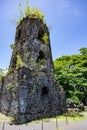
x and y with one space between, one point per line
44 91
41 56
19 34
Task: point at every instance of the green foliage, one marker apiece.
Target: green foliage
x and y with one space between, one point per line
19 62
42 62
83 51
33 13
2 73
30 12
37 65
45 39
71 73
12 46
73 113
76 99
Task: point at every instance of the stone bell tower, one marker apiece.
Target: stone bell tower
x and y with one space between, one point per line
30 91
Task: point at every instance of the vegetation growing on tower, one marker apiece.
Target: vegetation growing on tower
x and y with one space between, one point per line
30 12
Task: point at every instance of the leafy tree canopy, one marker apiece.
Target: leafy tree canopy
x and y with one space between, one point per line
71 74
83 51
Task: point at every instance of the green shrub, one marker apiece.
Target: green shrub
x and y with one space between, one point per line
12 46
30 12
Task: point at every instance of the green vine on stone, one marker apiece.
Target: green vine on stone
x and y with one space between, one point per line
44 38
19 62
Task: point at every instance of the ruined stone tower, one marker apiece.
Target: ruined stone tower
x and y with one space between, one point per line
29 90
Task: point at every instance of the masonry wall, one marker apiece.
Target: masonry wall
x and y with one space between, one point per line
30 91
10 94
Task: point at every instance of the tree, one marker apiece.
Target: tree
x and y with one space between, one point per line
83 51
71 74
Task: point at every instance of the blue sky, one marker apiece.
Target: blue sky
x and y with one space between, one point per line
67 20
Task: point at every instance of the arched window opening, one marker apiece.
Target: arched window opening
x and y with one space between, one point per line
19 34
40 34
14 62
44 91
41 56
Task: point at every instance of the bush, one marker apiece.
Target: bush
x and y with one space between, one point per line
81 107
70 103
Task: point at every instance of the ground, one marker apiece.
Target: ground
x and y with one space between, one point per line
48 124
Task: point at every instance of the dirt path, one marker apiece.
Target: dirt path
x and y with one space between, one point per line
49 125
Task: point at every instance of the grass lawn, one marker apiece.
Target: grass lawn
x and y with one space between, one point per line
82 116
4 118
